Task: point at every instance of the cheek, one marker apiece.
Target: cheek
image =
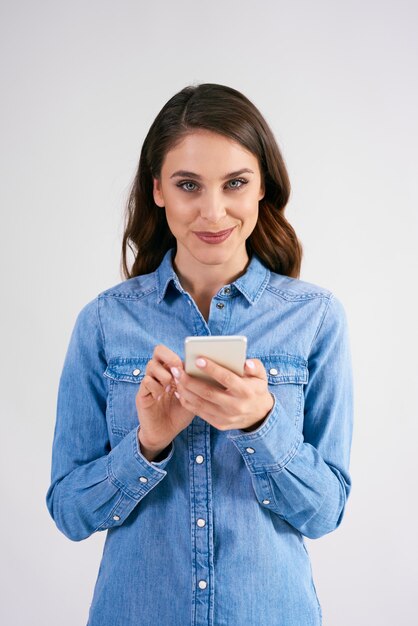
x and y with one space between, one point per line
178 215
247 209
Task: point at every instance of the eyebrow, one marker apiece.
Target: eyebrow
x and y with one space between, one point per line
186 174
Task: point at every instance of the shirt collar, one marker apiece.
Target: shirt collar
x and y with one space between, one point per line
251 284
166 275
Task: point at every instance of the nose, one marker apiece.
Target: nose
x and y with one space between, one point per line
212 207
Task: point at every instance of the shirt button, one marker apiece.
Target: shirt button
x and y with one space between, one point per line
199 458
202 584
266 501
201 522
116 518
227 291
273 371
250 450
220 305
143 479
136 372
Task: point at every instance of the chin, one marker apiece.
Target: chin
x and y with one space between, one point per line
212 257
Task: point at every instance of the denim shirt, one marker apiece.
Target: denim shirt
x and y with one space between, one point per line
212 534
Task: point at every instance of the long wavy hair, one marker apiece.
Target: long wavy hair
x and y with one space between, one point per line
226 111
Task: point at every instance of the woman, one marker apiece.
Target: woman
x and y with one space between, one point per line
206 493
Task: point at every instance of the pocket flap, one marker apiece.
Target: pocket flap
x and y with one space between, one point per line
130 369
285 368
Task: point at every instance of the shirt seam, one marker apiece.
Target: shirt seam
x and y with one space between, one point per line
101 326
286 295
320 324
130 296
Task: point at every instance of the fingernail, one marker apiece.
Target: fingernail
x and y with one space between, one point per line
201 362
175 371
250 364
159 398
167 389
177 395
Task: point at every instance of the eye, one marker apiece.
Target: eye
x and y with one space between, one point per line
187 182
241 181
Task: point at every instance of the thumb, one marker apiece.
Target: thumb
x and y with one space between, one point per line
254 367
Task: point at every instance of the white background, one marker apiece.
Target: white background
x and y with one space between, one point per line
81 83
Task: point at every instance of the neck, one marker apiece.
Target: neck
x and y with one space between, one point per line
202 281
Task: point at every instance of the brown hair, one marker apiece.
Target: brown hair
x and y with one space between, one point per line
226 111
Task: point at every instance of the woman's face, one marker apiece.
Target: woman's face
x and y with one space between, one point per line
210 187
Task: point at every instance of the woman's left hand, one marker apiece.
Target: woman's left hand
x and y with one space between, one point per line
243 404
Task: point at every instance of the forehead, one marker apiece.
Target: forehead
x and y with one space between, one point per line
209 154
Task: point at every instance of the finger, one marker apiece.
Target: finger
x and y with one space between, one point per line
157 371
204 395
215 396
149 386
167 357
195 404
221 374
254 367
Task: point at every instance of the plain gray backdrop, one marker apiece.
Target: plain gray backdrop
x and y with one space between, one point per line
337 82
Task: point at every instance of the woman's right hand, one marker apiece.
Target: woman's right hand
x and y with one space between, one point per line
160 414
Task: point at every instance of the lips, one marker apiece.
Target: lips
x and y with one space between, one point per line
214 237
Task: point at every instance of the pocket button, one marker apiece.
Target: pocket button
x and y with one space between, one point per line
136 372
273 371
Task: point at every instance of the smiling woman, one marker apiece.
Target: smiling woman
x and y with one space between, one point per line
212 220
224 122
206 492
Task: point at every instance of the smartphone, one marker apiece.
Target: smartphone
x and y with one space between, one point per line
226 350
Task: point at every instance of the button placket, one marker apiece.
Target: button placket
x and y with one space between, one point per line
201 519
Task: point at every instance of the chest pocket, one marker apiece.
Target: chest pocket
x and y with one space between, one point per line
125 376
286 375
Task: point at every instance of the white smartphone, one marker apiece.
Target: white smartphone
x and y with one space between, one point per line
226 350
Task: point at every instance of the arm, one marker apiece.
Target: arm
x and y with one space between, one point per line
305 476
92 486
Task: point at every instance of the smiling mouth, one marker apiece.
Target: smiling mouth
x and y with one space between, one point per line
211 237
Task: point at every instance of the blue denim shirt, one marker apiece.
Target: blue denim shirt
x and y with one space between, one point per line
212 535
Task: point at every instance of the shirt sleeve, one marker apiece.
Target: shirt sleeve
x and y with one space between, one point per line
303 477
93 487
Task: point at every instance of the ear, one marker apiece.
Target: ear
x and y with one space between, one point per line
262 192
157 193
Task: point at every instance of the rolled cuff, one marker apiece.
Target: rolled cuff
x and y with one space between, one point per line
131 471
272 445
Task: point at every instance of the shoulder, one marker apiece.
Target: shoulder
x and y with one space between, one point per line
323 301
130 289
296 289
134 288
